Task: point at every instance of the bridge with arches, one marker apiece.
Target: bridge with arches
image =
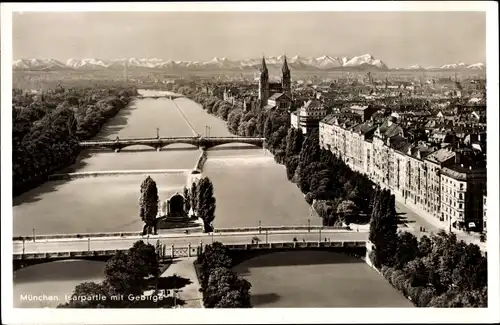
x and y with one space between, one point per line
158 143
243 241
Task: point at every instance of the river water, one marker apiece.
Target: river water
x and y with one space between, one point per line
249 187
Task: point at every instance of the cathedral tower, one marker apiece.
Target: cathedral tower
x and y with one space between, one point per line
286 82
263 84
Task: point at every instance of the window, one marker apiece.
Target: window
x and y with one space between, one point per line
460 205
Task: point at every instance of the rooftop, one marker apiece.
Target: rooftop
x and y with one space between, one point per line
462 172
440 156
357 107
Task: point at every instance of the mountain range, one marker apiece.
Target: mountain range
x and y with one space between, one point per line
325 62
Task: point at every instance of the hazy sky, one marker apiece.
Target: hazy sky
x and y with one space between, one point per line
397 38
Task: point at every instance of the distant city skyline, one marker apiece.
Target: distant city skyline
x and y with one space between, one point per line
399 39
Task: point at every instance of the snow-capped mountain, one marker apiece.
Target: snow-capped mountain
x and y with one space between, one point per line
365 60
451 66
480 66
297 62
454 66
86 63
416 67
38 64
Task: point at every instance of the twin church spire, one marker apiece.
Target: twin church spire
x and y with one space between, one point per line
264 81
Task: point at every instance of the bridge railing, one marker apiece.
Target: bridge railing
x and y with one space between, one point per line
262 229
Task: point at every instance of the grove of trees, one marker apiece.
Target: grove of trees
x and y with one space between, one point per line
47 125
127 275
439 271
221 287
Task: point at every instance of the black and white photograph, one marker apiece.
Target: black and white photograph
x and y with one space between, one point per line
196 156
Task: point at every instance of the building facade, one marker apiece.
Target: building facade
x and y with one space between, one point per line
429 180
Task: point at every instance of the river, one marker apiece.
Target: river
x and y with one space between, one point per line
249 187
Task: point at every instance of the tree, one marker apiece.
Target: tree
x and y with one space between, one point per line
309 198
294 140
406 249
206 203
383 227
127 273
149 205
233 121
88 295
291 165
226 290
417 272
187 199
194 198
214 255
346 207
424 246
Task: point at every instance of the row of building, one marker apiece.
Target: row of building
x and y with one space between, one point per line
444 182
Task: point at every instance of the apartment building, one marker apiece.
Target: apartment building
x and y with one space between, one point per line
433 181
336 136
462 201
308 116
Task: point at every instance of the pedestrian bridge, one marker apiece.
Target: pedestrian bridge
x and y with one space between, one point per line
158 143
38 250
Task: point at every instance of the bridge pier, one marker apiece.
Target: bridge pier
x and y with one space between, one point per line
158 149
117 149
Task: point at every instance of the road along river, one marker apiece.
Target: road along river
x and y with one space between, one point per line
250 188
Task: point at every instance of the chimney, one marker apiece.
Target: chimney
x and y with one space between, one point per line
457 158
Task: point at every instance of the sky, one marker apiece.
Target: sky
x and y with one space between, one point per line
399 39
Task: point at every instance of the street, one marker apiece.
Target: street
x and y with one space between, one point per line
111 243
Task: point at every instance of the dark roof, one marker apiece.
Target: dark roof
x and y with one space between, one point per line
387 130
397 142
277 96
263 67
285 68
363 128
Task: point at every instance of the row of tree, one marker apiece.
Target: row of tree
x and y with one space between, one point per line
127 275
47 126
200 198
338 193
221 287
439 271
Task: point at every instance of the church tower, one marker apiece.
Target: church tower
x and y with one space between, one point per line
286 82
263 84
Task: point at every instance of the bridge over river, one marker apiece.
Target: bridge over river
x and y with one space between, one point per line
177 245
159 142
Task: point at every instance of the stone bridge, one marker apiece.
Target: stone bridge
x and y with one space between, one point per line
238 252
158 143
